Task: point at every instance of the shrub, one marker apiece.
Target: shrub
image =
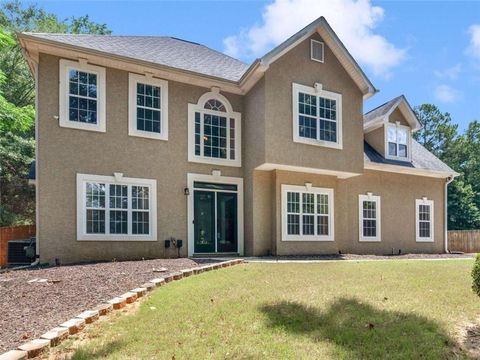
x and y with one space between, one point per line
476 276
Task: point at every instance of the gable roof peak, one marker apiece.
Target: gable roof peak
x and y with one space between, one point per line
381 113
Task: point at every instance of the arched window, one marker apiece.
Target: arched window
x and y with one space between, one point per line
214 131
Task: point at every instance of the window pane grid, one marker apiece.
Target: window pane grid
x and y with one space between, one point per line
369 218
307 213
148 108
127 209
215 136
424 221
317 117
82 99
397 141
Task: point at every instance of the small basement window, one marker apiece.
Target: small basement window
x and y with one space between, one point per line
317 51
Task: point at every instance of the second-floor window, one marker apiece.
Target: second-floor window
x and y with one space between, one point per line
398 140
82 96
214 131
148 107
317 116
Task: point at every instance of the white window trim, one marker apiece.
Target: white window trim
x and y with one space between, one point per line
133 79
331 214
199 107
409 142
118 179
67 65
419 202
312 42
316 91
361 199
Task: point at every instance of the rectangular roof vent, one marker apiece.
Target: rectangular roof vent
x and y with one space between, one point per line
316 50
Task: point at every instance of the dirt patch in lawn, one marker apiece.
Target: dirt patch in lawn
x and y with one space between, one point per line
34 301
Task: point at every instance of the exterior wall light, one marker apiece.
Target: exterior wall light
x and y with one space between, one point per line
186 191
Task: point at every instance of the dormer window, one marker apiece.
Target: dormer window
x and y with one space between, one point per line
397 142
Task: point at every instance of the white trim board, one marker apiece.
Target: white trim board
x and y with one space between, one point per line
191 178
318 92
313 190
63 117
133 80
118 178
308 170
228 114
429 203
378 218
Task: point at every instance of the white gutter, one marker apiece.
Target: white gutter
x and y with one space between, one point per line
449 180
37 216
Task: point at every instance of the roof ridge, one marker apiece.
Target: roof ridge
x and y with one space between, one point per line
382 105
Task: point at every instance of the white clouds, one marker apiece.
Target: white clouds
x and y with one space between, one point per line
353 20
474 48
450 73
447 94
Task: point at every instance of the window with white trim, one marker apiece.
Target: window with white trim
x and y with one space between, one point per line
115 208
424 220
214 131
369 217
397 142
317 116
148 107
307 213
82 96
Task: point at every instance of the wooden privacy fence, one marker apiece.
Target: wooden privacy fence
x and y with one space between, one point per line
8 233
467 241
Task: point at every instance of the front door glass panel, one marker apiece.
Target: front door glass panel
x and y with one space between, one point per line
204 225
226 222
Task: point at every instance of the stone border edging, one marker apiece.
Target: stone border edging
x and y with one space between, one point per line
70 327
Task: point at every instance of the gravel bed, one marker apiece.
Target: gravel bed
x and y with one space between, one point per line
365 257
27 310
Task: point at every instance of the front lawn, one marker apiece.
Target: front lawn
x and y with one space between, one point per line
348 310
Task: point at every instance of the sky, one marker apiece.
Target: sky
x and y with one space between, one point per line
427 50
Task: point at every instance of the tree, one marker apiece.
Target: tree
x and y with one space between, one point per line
19 87
17 98
462 153
17 150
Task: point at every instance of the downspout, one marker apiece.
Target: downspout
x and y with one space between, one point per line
449 180
37 238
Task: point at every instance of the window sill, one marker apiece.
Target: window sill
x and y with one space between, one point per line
327 144
215 161
148 135
117 238
426 240
309 239
370 240
99 127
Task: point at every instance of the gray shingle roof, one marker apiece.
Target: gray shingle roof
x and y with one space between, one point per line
422 159
161 50
381 110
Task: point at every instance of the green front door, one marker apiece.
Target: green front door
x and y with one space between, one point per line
215 219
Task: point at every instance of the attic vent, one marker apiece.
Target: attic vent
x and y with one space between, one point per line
316 50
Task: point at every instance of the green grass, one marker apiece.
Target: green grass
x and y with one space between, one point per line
298 311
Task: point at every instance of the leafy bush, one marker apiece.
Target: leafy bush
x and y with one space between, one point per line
476 276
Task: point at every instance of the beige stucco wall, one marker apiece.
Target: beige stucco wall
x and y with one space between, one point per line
398 193
64 152
376 139
297 67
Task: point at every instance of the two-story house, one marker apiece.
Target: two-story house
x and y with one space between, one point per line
141 139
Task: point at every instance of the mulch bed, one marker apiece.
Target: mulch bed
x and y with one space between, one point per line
27 310
368 257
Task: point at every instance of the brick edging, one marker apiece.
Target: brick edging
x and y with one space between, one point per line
60 333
